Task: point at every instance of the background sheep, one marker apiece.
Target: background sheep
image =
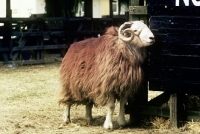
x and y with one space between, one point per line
100 70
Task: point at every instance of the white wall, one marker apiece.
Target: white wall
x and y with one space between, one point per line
2 8
23 8
96 9
100 8
105 8
40 6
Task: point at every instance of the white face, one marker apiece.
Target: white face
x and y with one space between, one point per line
142 33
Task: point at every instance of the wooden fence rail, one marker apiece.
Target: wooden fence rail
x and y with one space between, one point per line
18 35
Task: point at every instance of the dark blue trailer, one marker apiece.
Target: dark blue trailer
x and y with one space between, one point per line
173 63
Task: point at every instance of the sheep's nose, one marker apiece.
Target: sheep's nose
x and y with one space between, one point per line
152 38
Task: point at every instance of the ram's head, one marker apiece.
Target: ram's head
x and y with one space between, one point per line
136 33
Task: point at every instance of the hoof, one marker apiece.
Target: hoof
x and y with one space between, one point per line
67 120
108 125
62 125
122 123
89 120
124 126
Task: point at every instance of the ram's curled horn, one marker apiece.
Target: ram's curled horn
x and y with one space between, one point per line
121 32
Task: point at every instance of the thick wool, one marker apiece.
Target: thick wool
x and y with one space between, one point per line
95 68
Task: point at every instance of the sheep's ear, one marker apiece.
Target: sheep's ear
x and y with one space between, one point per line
129 23
142 21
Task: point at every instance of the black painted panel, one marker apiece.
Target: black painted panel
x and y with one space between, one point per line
173 11
174 61
168 3
183 74
174 86
175 22
173 8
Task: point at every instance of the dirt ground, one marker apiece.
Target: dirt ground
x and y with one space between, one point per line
28 106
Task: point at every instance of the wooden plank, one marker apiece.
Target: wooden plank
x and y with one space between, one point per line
30 62
173 11
5 56
149 110
176 74
2 49
173 111
180 36
174 50
169 2
30 48
168 85
193 116
177 22
58 33
27 48
134 2
170 61
159 100
153 111
79 19
4 19
138 10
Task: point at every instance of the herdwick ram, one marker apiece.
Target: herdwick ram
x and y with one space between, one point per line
100 70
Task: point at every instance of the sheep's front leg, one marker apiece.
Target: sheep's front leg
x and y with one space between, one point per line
121 118
88 113
66 115
111 107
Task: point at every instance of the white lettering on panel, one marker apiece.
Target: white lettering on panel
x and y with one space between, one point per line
196 3
185 1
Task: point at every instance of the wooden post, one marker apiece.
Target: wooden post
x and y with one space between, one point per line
67 8
141 98
88 8
8 28
173 110
40 53
133 3
178 112
111 9
8 10
137 11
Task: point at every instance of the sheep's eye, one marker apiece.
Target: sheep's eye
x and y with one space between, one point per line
135 30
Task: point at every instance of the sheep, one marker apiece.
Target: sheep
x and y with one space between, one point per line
97 71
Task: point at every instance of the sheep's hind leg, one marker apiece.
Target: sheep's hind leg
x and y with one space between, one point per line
121 118
88 112
66 114
111 107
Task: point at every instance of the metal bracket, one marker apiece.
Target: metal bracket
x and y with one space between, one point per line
138 10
